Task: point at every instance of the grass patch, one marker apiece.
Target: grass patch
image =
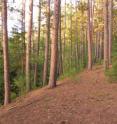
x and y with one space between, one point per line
112 73
71 74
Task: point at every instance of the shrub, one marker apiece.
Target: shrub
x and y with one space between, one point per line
19 81
112 73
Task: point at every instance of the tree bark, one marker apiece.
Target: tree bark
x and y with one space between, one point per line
23 34
90 34
54 46
5 54
106 33
28 46
71 44
64 44
37 45
60 64
110 6
76 39
45 70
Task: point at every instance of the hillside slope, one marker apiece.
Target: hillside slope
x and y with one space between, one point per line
87 98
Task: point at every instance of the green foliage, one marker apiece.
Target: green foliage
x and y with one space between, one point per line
68 73
1 91
13 95
19 81
71 72
1 80
112 73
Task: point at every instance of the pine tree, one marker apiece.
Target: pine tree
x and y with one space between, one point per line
28 46
5 54
54 46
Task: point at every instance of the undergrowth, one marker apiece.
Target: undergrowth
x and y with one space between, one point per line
112 73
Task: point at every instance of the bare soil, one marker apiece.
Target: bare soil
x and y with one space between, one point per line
87 98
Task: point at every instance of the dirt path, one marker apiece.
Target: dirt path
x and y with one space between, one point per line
85 99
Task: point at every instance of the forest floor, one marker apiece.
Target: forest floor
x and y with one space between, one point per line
86 98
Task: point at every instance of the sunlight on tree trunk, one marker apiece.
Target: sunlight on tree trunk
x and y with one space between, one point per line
54 46
90 31
106 34
5 54
28 47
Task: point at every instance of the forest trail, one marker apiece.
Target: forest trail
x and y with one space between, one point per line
86 98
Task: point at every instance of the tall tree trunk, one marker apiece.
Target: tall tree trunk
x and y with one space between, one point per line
37 45
64 44
45 70
28 46
5 54
110 7
71 44
76 38
101 46
1 30
106 33
54 47
90 34
23 34
97 46
60 64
